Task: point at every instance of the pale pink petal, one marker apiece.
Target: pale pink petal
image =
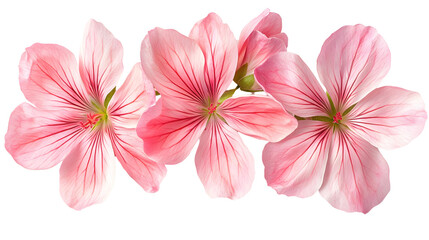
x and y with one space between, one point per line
49 79
220 52
257 49
258 116
357 176
86 174
128 148
100 61
283 37
224 164
388 117
175 65
268 23
288 79
134 97
169 134
296 165
352 62
40 139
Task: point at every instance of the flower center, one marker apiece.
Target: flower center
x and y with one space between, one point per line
212 108
337 118
91 120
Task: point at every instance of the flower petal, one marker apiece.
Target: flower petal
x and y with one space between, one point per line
224 164
175 66
258 116
134 97
220 52
268 23
388 117
86 174
128 148
39 139
100 61
288 79
257 49
357 176
295 166
352 62
168 134
48 78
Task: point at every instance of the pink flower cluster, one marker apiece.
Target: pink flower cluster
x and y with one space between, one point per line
324 139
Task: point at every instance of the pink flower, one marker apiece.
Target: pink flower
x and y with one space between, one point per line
260 39
192 73
334 149
77 121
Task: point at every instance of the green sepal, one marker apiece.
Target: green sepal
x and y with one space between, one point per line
334 111
157 93
227 94
247 82
240 73
109 97
348 109
322 118
299 118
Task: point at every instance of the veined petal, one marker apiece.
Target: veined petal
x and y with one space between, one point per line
169 134
288 79
388 117
128 148
175 65
220 52
134 97
296 165
86 174
224 164
357 176
352 62
267 22
48 78
40 139
258 116
258 48
100 61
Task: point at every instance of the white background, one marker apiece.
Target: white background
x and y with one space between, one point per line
30 203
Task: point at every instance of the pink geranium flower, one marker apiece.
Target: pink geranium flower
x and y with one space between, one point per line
259 39
192 73
76 120
334 149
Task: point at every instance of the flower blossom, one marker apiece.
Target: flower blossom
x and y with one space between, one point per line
192 74
259 39
77 119
335 147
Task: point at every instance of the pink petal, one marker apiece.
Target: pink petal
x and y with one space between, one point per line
295 166
258 116
39 139
268 23
388 117
175 65
357 176
220 51
224 164
288 79
100 61
128 148
169 135
257 49
134 97
86 175
352 62
48 78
